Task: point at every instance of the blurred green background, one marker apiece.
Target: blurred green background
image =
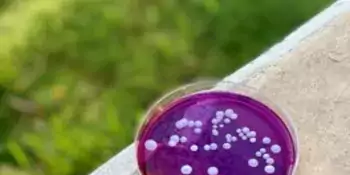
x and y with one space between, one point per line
77 75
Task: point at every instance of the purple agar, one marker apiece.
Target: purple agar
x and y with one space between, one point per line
215 133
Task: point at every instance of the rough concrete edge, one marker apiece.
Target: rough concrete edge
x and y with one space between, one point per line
126 160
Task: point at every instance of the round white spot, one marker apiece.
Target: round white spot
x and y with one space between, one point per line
215 126
221 125
258 154
266 140
197 130
175 138
270 161
276 149
198 123
233 138
253 163
227 120
213 146
226 146
172 143
234 116
241 134
239 130
244 137
229 112
215 132
269 169
206 147
191 123
214 121
251 134
245 130
252 140
183 139
194 148
213 171
181 123
263 150
266 156
186 169
151 145
219 114
228 136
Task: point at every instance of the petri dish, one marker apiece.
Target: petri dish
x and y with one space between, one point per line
216 128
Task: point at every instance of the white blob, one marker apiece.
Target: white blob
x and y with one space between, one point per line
258 154
227 120
194 148
228 136
244 138
198 123
234 116
197 130
253 163
252 140
175 138
214 121
186 169
215 132
269 169
266 156
233 138
213 146
191 123
251 134
239 130
181 123
241 134
276 149
226 146
270 161
245 130
213 171
229 112
172 143
263 150
266 140
206 147
221 125
151 145
219 114
215 126
183 139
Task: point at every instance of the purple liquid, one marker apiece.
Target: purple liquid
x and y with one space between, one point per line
240 159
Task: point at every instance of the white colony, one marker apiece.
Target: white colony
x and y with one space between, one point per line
214 121
245 130
269 169
181 123
266 140
183 139
172 143
206 147
251 134
215 132
194 148
258 154
213 146
221 125
186 169
233 138
198 123
213 171
175 138
253 163
229 112
263 150
227 120
219 114
151 145
197 130
191 123
244 137
234 116
276 149
239 130
266 156
252 140
226 146
270 161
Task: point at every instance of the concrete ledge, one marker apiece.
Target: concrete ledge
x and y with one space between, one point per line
308 74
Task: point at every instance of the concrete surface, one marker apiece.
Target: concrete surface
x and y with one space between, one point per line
308 74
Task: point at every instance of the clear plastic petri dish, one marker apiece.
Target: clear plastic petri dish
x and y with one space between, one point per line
216 128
